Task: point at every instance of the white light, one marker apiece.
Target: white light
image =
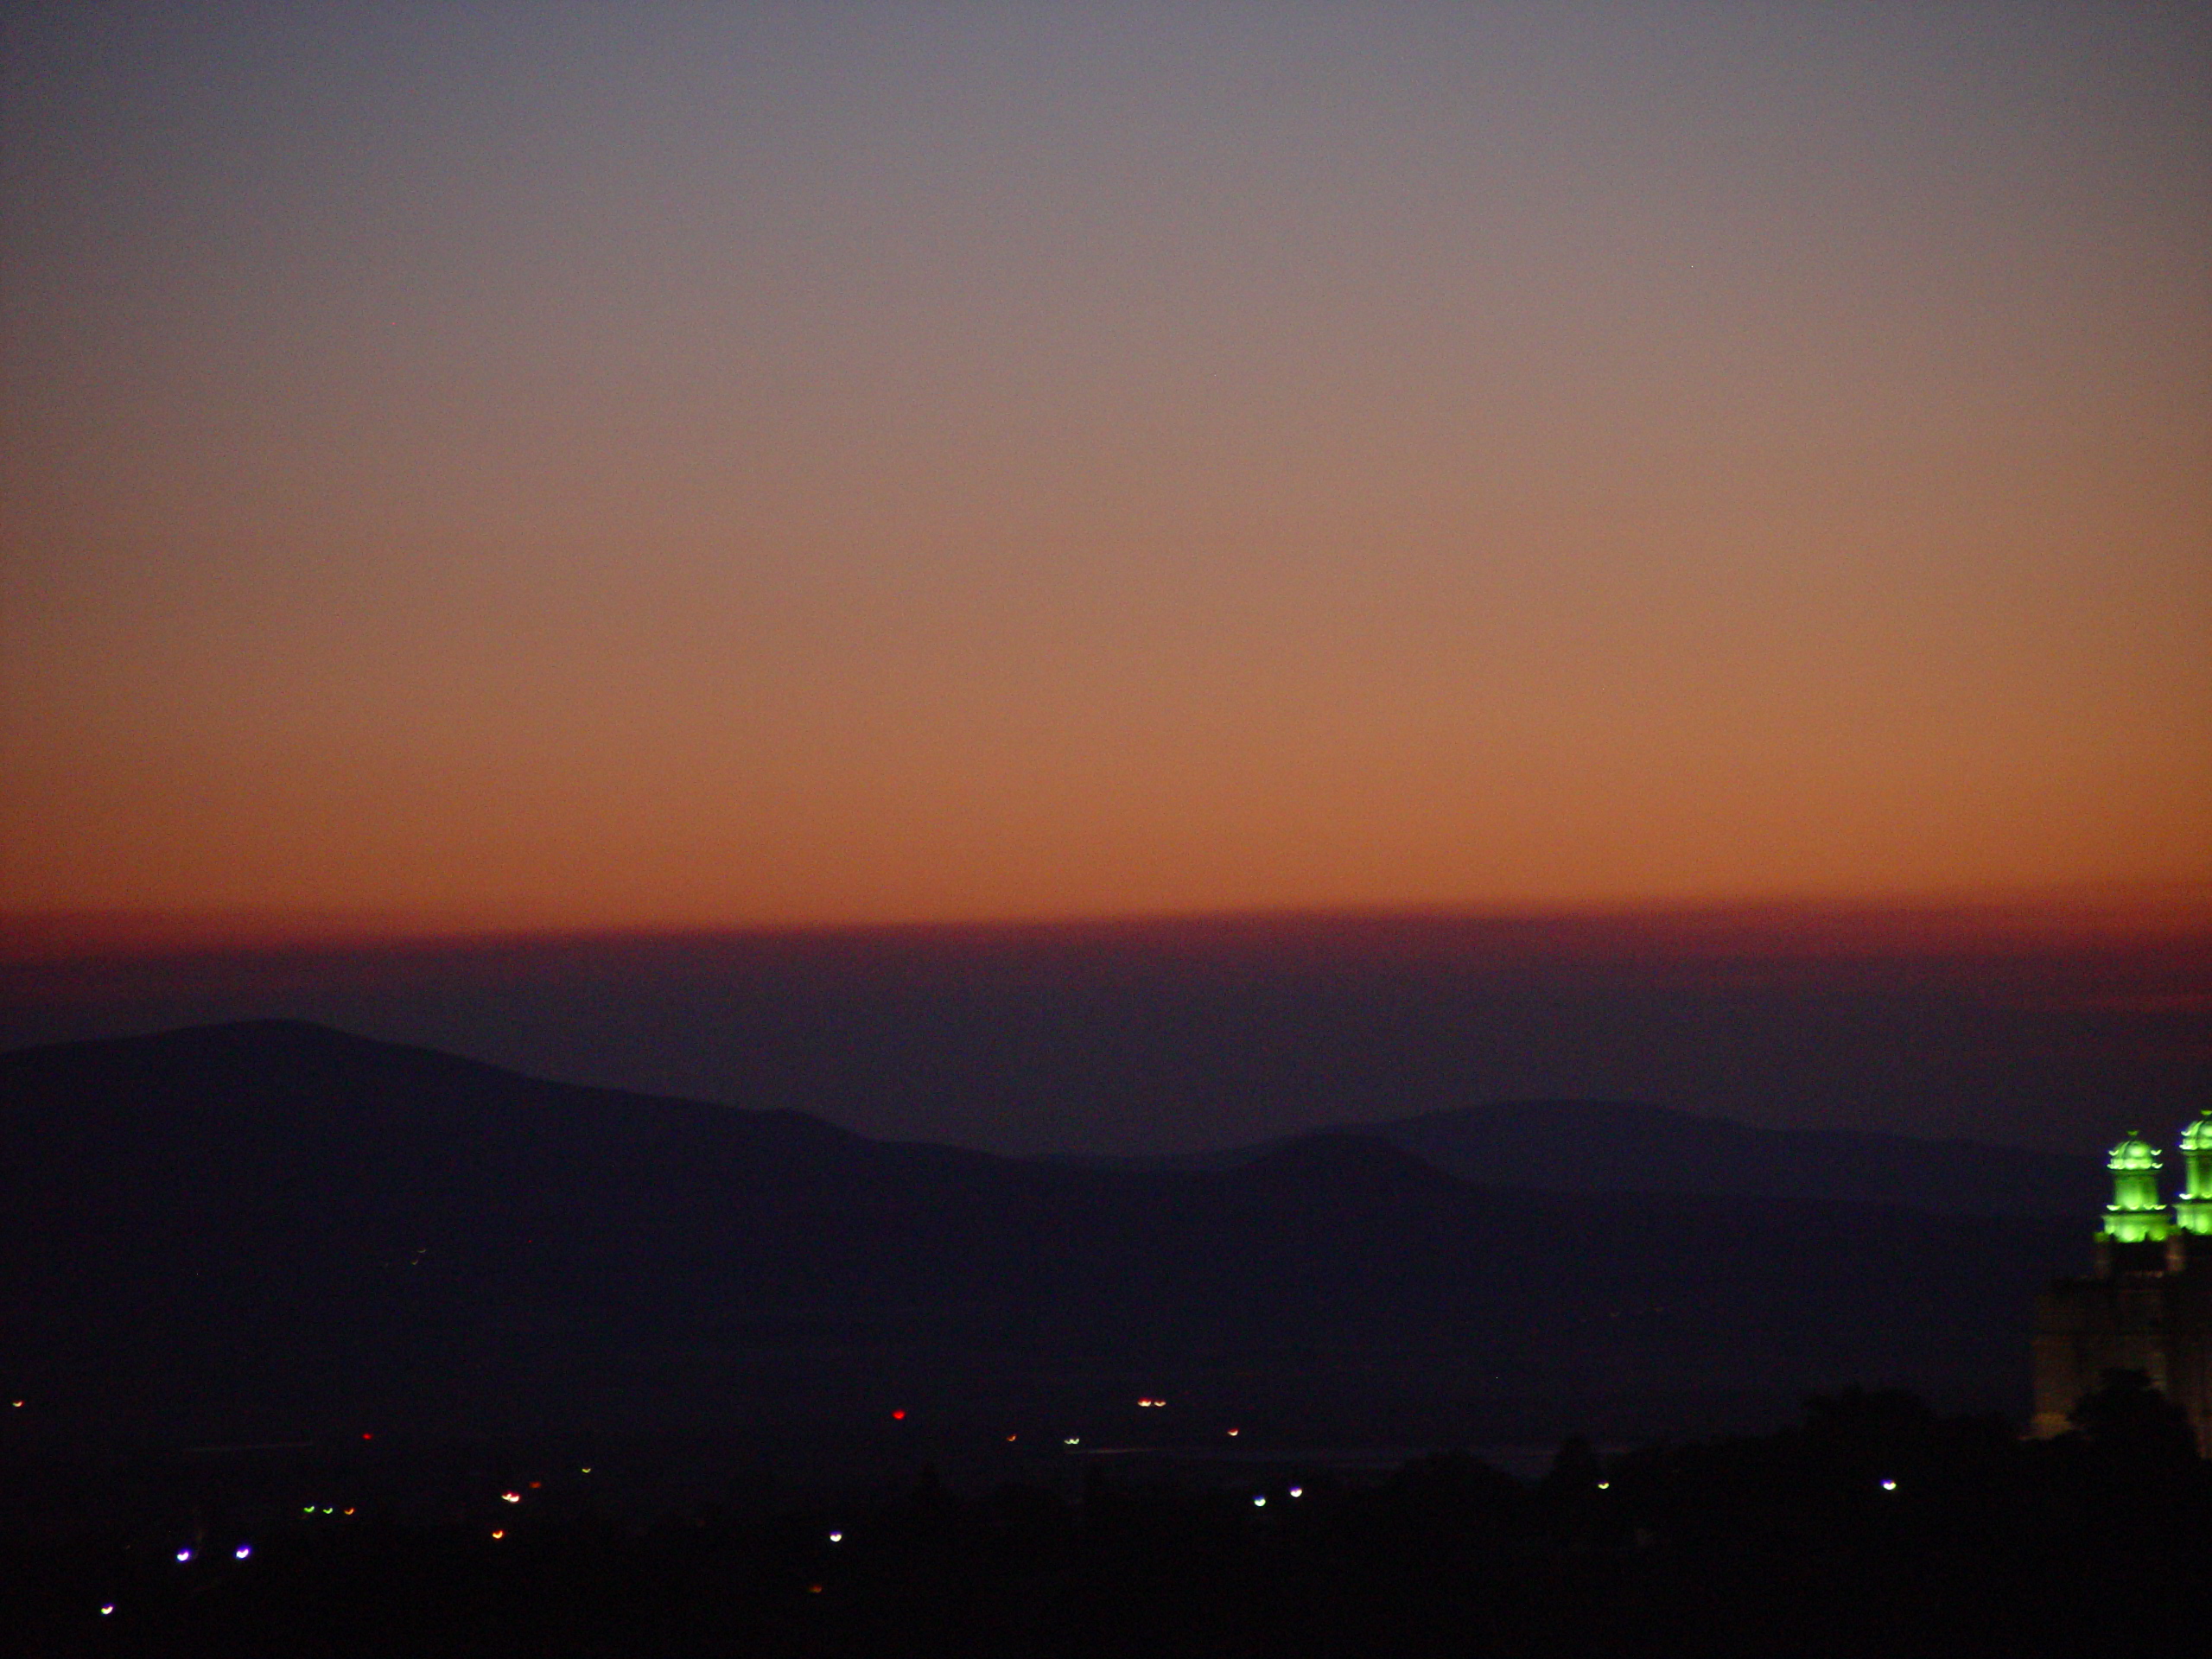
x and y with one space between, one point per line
107 1608
1298 1492
1604 1485
1260 1502
1889 1486
184 1555
243 1551
837 1537
509 1497
1073 1439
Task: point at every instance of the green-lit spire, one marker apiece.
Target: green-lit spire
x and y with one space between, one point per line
2135 1213
2193 1210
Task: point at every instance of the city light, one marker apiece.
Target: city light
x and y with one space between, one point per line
1298 1492
499 1532
1260 1502
1889 1486
1233 1433
509 1497
837 1537
243 1551
107 1608
184 1555
1073 1439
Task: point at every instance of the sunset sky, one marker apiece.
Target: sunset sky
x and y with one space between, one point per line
544 467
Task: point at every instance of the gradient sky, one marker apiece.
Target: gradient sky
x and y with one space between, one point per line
530 466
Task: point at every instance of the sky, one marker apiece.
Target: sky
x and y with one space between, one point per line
487 469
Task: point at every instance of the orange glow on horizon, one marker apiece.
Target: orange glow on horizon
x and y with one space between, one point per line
2123 918
735 471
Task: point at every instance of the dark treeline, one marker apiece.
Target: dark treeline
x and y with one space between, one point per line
1874 1526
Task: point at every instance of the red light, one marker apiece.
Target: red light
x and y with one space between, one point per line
368 1436
898 1416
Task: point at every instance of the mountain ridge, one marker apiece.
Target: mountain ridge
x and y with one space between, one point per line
239 1226
1553 1144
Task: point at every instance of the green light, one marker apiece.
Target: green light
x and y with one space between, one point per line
2135 1153
2193 1210
2135 1214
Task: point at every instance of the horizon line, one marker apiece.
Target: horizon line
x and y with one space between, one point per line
2082 912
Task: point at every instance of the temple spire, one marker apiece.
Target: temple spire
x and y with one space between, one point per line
2193 1209
2135 1213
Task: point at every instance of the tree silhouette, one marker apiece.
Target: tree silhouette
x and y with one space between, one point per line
2129 1419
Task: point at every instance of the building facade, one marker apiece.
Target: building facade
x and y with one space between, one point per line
2148 1306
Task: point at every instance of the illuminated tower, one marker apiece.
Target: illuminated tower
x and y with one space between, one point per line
2148 1305
2135 1214
2193 1210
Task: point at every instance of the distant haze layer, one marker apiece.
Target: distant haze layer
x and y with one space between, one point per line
2057 1029
558 467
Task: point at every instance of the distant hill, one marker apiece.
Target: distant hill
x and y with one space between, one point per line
1602 1145
1618 1147
246 1229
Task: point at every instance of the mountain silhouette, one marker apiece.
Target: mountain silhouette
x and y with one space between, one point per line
1609 1145
242 1229
1599 1146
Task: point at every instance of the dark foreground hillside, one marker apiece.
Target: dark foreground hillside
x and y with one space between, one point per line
1875 1527
275 1230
